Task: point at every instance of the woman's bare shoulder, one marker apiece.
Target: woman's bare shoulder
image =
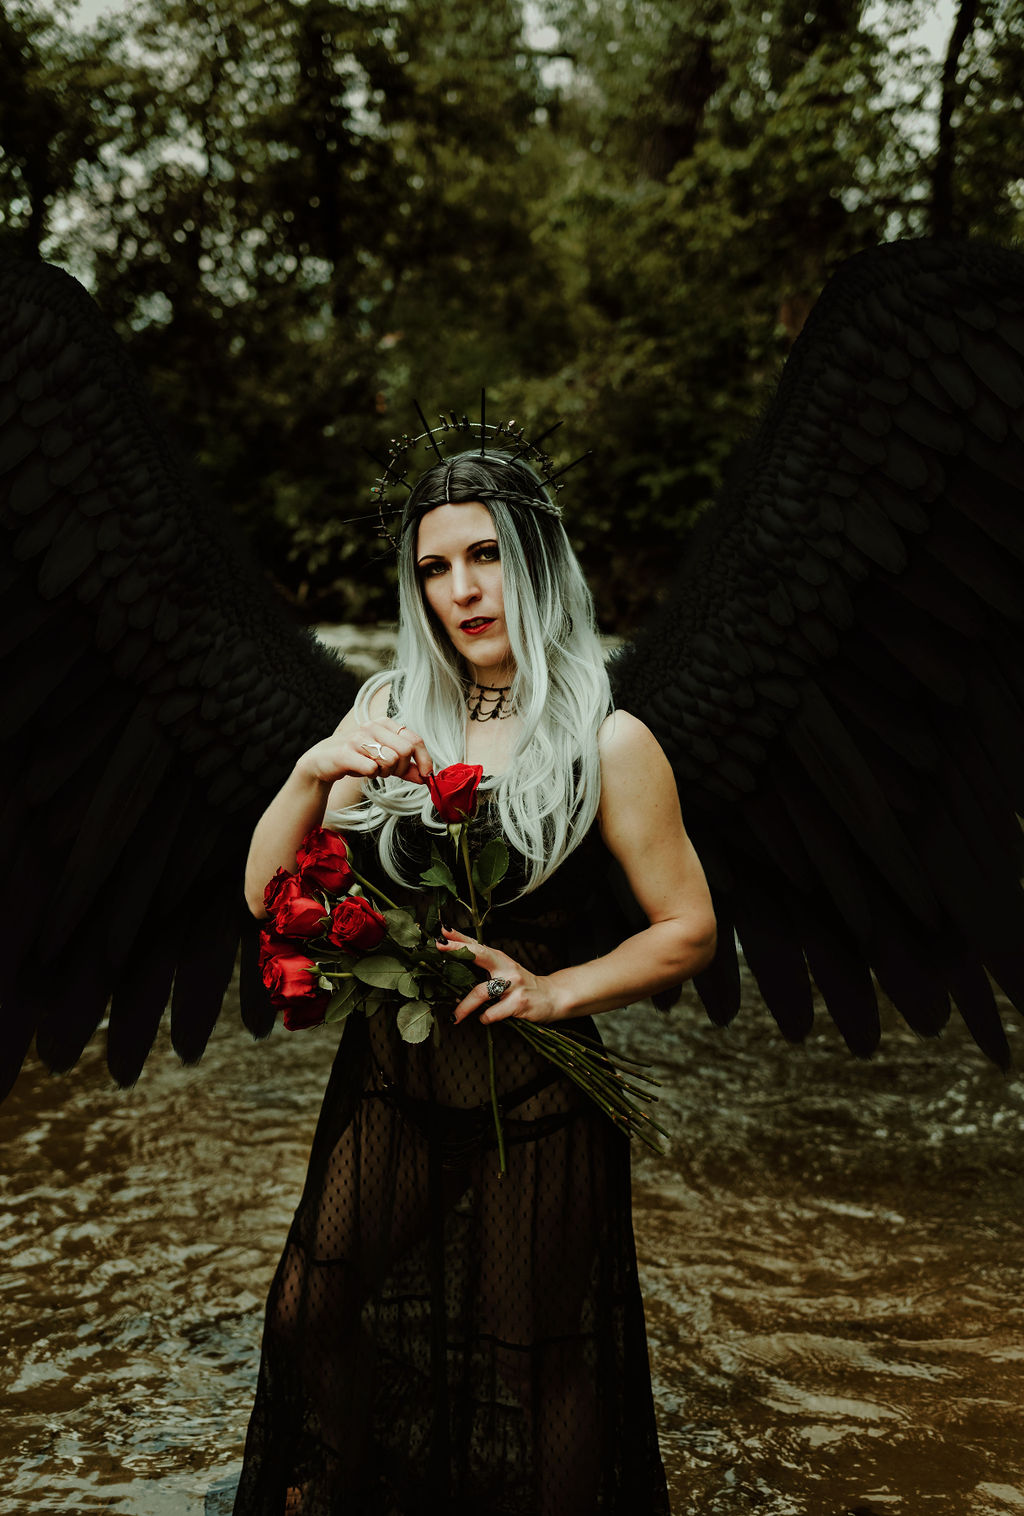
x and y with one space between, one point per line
623 738
634 769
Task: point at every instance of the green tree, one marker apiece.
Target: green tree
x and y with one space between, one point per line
744 152
48 128
302 214
976 182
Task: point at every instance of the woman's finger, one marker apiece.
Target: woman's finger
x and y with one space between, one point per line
501 1009
452 933
478 999
385 757
410 743
484 957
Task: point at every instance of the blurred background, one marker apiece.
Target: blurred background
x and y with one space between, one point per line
302 216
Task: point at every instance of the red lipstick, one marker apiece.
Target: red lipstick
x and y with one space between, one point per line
477 625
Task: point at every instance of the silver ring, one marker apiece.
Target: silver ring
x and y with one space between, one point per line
496 988
368 749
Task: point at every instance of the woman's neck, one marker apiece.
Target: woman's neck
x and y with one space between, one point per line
486 702
493 675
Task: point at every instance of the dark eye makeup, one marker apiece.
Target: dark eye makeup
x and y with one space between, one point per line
481 552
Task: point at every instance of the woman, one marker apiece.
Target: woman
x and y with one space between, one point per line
440 1337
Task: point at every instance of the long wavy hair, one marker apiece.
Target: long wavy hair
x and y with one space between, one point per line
547 798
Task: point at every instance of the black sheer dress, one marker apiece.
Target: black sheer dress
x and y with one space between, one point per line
439 1338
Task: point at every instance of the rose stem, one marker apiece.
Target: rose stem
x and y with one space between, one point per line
474 909
373 889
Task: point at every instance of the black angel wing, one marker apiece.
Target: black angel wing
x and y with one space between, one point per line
838 672
154 698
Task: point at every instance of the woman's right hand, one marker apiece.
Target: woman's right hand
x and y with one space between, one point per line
329 776
379 747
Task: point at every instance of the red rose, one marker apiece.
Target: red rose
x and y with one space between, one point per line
453 790
294 914
274 888
355 924
323 859
292 982
300 1014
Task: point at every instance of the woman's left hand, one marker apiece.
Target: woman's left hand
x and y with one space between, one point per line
529 996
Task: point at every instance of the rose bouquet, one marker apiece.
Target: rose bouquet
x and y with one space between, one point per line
337 944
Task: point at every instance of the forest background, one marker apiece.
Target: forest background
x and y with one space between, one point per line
303 214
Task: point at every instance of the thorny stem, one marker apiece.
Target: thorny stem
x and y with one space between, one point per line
475 912
593 1072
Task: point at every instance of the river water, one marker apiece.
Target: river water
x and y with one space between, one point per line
831 1255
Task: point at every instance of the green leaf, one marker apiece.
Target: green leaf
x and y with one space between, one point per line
332 961
415 1021
403 928
342 1003
439 877
374 1000
385 973
433 922
460 976
459 955
491 867
408 986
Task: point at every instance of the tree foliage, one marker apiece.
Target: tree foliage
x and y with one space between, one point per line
303 213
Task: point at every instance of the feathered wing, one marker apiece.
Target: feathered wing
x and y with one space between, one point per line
154 697
838 672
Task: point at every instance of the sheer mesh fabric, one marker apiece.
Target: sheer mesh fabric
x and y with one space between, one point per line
439 1338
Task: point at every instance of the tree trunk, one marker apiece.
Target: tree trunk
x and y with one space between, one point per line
943 222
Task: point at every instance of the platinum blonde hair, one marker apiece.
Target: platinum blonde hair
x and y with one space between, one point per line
547 798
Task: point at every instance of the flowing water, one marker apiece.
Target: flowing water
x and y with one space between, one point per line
831 1256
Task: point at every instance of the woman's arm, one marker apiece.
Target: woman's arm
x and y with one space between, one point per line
643 828
328 777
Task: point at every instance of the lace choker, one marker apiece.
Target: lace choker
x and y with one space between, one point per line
487 702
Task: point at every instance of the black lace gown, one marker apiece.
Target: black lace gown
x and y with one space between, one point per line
440 1338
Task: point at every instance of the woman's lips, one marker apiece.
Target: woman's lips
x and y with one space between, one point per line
476 626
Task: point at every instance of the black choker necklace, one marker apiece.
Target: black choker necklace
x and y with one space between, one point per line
489 702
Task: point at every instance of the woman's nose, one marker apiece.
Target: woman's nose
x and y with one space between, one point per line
464 582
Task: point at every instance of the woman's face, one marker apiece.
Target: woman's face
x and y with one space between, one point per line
459 568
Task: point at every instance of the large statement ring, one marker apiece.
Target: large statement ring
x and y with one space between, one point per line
374 749
496 988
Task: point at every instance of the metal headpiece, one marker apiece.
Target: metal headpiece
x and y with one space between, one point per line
453 435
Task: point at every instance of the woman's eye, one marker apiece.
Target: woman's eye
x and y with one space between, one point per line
431 570
488 554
